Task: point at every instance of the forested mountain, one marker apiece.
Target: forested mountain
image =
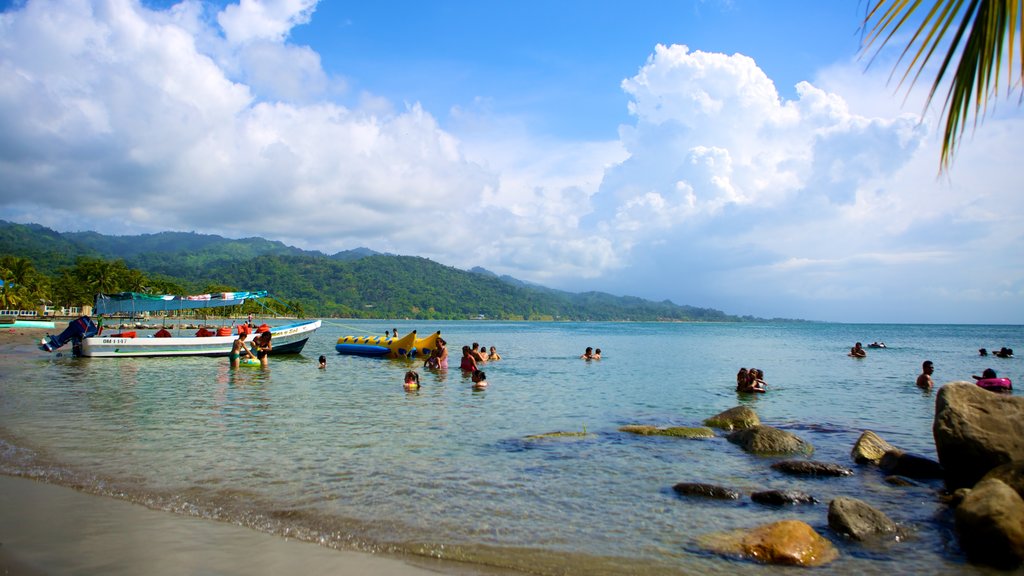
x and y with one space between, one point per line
355 283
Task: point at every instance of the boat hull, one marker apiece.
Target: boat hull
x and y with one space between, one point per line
288 339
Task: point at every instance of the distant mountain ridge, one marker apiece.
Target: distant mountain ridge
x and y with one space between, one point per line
352 283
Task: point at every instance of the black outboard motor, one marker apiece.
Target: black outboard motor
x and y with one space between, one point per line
76 331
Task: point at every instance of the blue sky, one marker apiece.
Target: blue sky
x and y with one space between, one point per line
732 154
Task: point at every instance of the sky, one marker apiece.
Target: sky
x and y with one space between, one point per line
742 155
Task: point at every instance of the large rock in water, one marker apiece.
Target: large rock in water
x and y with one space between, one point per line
811 468
768 440
789 542
870 448
858 519
900 463
976 431
734 419
990 523
1011 474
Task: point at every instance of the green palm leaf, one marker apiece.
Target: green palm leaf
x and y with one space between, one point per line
982 30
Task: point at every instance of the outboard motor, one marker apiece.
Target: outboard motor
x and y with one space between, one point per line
76 331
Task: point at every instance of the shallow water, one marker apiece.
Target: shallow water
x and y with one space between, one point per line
345 457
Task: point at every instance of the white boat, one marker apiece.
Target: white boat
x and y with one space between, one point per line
88 339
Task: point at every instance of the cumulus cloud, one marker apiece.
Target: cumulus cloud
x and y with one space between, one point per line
124 119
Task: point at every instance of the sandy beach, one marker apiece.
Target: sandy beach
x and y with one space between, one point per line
49 529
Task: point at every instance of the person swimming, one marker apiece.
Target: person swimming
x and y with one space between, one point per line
412 381
479 380
323 361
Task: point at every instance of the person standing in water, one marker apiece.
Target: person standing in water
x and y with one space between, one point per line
238 348
924 380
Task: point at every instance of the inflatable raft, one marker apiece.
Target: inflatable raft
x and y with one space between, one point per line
996 384
408 346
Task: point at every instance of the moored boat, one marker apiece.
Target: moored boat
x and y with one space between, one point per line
88 340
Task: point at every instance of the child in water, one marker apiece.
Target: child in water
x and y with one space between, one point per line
323 361
412 381
479 380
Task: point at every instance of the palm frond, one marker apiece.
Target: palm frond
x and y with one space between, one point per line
982 30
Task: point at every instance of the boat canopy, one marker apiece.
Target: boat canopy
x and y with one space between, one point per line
134 302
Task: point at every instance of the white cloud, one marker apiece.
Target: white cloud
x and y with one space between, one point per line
263 19
719 193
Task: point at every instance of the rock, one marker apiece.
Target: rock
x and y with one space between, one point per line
810 468
780 497
788 542
899 463
768 440
975 431
559 435
869 448
901 481
677 431
858 519
706 491
734 419
1011 474
990 523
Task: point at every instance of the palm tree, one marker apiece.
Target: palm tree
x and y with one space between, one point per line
982 30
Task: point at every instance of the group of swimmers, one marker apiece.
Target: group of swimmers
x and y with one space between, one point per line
750 380
988 380
591 354
472 358
261 347
1003 352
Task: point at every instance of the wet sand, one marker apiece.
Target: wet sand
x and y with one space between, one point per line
48 529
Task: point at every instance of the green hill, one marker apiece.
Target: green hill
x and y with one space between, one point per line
355 283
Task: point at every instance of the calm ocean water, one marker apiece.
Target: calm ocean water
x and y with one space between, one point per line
345 457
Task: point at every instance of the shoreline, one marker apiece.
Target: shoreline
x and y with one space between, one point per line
48 528
51 529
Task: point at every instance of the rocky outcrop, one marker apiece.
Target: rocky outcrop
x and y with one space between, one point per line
706 491
858 519
736 418
900 463
869 448
767 440
990 523
787 542
677 431
811 468
975 431
783 497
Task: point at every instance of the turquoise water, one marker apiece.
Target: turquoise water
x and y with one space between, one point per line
345 457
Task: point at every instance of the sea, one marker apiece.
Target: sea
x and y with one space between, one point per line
346 458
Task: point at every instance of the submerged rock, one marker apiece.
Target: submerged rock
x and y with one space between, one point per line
706 491
735 418
811 468
858 519
899 463
768 440
901 481
990 524
869 448
975 431
787 542
781 497
677 431
546 435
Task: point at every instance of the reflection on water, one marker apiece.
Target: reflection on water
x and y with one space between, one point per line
345 457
